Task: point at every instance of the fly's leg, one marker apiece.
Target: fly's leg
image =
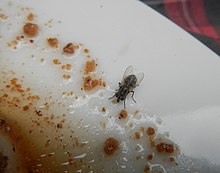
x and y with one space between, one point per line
132 96
124 104
112 96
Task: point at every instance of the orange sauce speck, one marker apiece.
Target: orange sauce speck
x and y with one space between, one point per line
30 17
137 135
25 108
90 66
150 131
150 157
69 48
56 62
123 114
89 83
146 169
66 76
53 42
111 146
30 29
66 67
165 148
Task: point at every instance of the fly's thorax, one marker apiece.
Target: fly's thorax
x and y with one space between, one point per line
130 81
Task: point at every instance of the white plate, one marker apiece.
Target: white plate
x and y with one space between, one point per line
182 76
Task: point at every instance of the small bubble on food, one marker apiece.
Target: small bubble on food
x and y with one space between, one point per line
111 146
69 48
30 29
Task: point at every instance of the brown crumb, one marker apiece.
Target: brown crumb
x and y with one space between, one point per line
172 159
89 83
66 67
103 109
152 143
90 66
39 113
165 148
25 108
138 157
150 131
3 17
86 50
111 145
59 126
123 114
137 135
150 157
30 29
53 42
69 48
30 17
56 62
18 38
5 95
146 169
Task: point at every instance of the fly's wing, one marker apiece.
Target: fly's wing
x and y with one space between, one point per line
140 77
129 70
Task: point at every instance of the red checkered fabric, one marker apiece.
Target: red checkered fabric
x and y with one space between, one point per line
199 17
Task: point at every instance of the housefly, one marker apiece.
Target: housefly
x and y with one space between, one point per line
127 84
